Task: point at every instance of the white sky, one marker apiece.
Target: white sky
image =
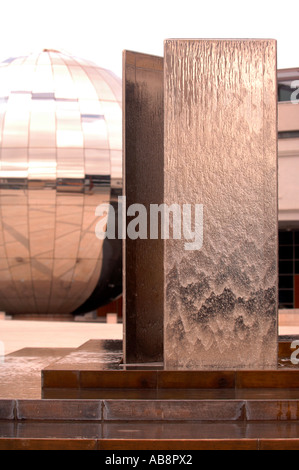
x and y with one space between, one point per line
99 30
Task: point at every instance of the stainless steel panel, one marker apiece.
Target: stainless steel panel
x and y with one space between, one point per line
97 159
42 225
70 163
143 169
94 130
220 151
115 166
103 91
16 123
14 164
42 123
115 83
63 83
84 87
42 164
68 231
68 121
15 230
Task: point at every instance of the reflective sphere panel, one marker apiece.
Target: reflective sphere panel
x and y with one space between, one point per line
60 150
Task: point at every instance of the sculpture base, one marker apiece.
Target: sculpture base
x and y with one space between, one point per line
149 409
96 370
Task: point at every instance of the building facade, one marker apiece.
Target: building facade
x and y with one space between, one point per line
288 187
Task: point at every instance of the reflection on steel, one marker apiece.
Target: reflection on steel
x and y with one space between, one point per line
60 149
143 155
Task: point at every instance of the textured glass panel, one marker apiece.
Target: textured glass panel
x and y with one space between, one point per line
221 151
112 112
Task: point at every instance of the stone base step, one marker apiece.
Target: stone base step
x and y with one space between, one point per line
97 365
149 436
250 408
146 444
91 401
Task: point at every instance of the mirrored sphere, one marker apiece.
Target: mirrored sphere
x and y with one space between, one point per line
60 158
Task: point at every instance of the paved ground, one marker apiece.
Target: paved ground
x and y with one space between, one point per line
26 347
16 335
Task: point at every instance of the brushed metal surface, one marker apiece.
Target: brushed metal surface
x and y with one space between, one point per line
60 157
143 184
220 305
